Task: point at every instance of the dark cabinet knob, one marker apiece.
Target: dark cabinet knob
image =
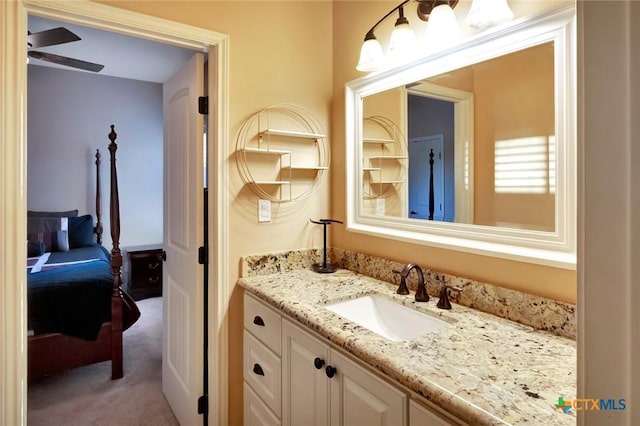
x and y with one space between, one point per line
257 320
330 371
318 363
258 370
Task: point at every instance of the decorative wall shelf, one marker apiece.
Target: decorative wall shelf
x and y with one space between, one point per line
282 153
389 157
377 140
305 168
266 151
272 182
384 151
293 134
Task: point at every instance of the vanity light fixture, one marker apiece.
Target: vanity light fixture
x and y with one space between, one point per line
402 43
442 29
402 39
488 13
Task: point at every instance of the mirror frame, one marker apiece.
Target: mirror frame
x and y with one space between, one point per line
557 248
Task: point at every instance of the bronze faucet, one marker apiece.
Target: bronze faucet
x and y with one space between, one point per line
443 302
421 292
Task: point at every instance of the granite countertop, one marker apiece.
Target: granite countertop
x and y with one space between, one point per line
482 369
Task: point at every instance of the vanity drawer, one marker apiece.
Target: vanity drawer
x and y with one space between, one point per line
255 412
263 322
262 371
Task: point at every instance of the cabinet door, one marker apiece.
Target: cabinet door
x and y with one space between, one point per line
305 388
360 398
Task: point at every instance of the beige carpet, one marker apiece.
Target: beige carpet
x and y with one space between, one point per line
87 395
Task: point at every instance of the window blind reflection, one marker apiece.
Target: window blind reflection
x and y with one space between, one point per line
525 165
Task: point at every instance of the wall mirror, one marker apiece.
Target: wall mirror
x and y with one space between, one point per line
472 148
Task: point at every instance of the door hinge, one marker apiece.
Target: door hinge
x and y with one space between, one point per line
203 105
202 255
203 404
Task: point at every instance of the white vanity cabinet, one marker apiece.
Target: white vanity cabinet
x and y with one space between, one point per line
323 387
291 377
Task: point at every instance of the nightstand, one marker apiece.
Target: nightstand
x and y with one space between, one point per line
145 271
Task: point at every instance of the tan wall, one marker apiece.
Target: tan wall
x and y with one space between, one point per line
351 20
279 52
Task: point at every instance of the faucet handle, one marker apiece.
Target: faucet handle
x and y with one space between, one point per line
402 289
444 303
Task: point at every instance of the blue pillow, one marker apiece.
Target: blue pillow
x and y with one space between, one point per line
81 231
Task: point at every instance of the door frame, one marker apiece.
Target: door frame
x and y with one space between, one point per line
13 180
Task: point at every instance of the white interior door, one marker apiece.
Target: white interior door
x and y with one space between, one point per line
183 234
419 171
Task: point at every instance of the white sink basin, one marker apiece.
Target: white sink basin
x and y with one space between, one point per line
387 318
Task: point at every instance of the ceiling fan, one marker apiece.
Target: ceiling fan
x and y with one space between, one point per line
55 36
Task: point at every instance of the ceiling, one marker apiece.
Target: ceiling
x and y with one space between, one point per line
122 56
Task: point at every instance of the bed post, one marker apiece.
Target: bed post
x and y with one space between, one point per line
98 227
116 263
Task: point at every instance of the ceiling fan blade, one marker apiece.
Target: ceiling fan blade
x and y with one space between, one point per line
63 60
51 37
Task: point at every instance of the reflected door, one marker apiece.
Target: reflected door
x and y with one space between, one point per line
420 175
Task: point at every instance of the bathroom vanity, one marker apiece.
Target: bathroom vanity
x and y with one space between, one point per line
305 364
511 358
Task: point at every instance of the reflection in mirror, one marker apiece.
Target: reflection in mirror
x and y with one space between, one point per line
504 172
474 145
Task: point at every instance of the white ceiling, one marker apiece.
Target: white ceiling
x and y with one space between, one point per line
122 56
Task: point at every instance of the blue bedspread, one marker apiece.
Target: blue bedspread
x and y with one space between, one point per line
72 299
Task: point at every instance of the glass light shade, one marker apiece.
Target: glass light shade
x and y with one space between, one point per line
442 27
371 56
488 13
401 45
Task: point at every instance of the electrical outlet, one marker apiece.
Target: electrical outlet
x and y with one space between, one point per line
264 211
380 206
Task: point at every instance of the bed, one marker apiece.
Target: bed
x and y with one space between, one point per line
77 310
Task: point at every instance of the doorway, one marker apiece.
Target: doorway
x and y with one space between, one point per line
13 15
434 110
431 123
